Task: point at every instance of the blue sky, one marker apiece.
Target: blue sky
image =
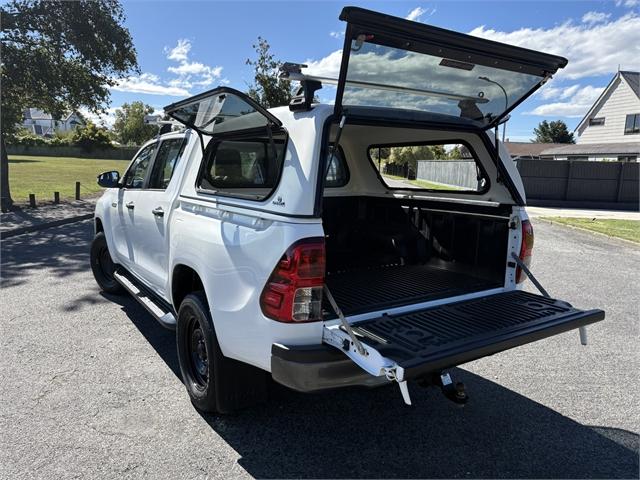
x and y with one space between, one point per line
188 47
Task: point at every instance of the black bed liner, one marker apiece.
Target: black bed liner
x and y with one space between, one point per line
432 339
377 288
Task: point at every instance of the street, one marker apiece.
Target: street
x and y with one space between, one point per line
91 388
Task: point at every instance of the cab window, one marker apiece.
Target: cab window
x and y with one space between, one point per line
248 167
137 173
167 158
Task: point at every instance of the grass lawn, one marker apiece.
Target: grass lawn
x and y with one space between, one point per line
627 229
424 183
45 175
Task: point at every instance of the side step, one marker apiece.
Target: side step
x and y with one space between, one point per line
154 305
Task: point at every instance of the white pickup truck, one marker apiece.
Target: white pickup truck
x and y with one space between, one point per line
277 243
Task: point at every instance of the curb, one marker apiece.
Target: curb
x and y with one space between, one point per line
593 232
43 226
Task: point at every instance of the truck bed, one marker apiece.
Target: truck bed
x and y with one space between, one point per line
370 289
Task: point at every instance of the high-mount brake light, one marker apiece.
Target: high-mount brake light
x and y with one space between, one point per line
526 249
293 292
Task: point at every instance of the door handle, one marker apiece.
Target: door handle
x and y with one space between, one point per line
130 205
158 212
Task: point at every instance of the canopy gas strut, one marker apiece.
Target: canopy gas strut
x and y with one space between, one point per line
534 280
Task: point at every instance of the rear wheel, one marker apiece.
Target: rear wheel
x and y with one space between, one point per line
102 265
214 382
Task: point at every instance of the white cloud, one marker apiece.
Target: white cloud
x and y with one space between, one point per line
105 119
336 34
190 73
578 101
595 17
150 84
415 14
328 66
591 49
627 3
549 92
180 52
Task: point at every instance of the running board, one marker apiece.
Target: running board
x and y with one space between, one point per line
146 298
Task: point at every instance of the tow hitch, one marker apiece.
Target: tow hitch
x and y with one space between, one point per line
456 392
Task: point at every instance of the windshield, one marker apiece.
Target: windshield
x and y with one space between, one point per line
384 76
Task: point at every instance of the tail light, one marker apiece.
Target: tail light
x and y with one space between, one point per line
526 249
293 292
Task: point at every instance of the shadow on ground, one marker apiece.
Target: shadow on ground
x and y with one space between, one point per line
23 255
371 433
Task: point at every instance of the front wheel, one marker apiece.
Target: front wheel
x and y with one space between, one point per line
103 267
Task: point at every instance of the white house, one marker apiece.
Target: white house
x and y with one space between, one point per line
42 123
610 131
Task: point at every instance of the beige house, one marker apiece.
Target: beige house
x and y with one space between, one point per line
610 131
42 123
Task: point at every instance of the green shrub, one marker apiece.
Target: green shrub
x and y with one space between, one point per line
90 137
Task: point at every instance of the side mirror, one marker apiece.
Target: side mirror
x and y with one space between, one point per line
109 179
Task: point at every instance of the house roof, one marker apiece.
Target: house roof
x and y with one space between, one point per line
632 79
36 114
593 149
528 149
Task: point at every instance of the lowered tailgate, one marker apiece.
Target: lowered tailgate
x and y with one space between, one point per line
429 340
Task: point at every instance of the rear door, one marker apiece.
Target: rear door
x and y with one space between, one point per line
391 65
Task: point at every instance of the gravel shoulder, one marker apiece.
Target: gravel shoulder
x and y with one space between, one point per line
91 388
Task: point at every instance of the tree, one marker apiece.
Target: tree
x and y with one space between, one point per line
268 89
90 137
553 132
129 126
57 56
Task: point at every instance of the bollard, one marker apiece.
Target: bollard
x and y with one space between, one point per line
56 197
32 200
77 190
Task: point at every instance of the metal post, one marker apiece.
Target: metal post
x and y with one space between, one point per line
77 190
32 200
56 197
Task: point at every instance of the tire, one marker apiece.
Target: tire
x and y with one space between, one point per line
103 267
215 383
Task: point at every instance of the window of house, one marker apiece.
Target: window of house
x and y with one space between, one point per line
244 167
632 124
596 122
135 176
447 166
166 160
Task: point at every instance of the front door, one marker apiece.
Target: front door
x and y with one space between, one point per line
125 218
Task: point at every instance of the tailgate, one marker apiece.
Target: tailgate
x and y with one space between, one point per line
436 338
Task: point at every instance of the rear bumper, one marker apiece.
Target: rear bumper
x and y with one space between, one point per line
312 368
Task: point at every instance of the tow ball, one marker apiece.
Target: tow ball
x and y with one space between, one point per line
456 392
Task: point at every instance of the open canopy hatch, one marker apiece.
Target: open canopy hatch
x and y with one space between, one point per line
221 110
389 63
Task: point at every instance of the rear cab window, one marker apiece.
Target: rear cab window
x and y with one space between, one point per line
441 166
169 154
244 167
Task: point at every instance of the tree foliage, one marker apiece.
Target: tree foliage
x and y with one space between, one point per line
58 56
268 89
129 126
91 137
553 132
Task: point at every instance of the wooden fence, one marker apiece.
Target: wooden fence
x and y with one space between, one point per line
581 184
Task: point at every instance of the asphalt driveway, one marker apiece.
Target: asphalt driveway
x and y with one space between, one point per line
91 388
